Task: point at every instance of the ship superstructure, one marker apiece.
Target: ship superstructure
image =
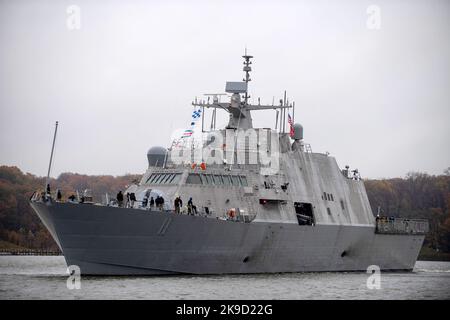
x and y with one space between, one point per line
253 200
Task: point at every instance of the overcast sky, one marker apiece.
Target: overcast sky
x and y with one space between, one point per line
376 99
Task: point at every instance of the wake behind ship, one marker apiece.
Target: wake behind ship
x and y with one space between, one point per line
236 200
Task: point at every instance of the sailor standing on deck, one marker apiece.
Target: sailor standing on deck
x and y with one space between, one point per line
178 204
191 208
162 203
120 198
145 201
159 202
152 203
128 200
132 199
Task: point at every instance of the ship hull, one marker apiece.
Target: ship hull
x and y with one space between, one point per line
118 241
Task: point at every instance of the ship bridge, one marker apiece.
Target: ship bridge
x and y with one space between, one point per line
304 188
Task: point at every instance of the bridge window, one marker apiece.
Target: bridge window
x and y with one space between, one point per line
158 178
164 178
207 179
167 178
176 178
235 180
193 178
218 179
151 178
226 180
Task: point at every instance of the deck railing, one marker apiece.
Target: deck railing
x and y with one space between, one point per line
401 226
29 252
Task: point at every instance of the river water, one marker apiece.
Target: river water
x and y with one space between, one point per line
45 277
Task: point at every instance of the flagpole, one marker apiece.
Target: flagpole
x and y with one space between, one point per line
276 120
203 117
284 120
293 112
51 155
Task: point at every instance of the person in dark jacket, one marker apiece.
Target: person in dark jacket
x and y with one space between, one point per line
158 202
152 203
145 202
178 204
191 208
161 203
132 199
127 204
119 198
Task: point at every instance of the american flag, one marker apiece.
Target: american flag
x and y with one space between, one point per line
291 131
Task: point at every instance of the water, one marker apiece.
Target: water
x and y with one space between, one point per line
35 277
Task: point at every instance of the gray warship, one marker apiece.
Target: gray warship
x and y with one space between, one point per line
296 211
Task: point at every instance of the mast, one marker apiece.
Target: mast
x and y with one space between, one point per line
240 110
247 70
51 155
284 113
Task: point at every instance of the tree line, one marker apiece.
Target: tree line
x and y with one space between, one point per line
418 195
20 226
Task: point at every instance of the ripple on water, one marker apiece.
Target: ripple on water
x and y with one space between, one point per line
31 277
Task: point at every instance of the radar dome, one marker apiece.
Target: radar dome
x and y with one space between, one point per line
156 156
298 131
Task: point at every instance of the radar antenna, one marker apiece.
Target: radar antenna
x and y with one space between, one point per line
240 115
247 70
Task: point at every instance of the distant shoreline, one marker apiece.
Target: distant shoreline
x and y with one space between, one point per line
428 254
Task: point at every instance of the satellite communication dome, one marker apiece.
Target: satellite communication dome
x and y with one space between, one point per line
156 156
298 131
